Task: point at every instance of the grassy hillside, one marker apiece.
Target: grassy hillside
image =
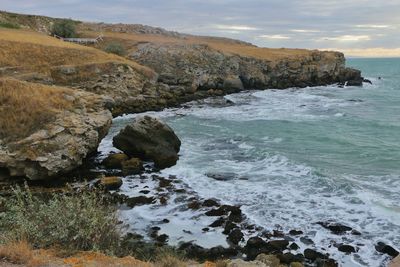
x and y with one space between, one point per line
27 50
24 107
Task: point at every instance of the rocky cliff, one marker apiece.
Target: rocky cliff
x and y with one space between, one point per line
161 69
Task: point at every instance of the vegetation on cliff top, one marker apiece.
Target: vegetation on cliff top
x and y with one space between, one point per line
26 107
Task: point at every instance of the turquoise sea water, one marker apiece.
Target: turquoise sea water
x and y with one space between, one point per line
298 156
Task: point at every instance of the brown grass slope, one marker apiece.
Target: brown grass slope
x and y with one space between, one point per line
25 107
29 51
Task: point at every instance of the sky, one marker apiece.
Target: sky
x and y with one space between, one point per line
356 27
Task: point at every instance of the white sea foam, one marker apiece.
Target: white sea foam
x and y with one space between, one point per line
276 189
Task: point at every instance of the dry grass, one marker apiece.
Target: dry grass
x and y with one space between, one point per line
32 51
16 252
25 107
131 41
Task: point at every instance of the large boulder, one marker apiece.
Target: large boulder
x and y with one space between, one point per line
149 138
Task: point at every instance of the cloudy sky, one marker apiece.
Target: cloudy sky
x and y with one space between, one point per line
357 27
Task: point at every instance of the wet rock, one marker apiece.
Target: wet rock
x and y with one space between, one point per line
254 247
346 248
194 205
163 200
367 81
164 182
162 238
226 176
165 221
326 263
229 226
210 203
294 246
386 249
295 232
132 166
312 255
289 258
307 241
205 229
144 192
197 252
219 222
111 183
114 161
277 245
140 200
235 236
335 228
149 138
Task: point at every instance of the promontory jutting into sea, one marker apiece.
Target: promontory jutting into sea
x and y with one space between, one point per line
123 144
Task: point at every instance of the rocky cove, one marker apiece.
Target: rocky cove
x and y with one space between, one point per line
169 75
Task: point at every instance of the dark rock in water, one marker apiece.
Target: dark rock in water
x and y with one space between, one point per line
355 232
219 222
210 203
165 221
289 258
149 138
277 245
367 81
254 247
229 226
224 210
306 240
140 200
132 166
144 192
195 205
235 236
355 83
164 182
111 183
326 263
312 255
346 248
197 252
386 249
295 232
294 246
351 77
335 228
162 238
226 176
114 161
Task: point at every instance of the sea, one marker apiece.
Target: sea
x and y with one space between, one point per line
290 158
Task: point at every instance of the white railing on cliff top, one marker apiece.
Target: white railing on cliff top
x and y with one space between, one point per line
81 40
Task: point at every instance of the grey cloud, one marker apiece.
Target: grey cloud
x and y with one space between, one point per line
342 24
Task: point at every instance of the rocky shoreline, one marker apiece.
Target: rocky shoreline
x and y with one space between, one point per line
170 74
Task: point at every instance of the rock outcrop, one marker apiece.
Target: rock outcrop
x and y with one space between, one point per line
199 67
59 146
149 138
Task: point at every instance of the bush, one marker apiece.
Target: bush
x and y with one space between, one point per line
70 221
64 28
115 48
9 25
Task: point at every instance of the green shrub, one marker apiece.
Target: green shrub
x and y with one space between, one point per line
9 25
64 28
72 221
115 48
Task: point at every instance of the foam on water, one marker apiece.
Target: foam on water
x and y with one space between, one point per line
298 157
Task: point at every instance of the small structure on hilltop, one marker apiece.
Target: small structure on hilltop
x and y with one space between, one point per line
81 40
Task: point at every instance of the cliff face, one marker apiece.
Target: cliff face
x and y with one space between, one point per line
162 69
202 68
